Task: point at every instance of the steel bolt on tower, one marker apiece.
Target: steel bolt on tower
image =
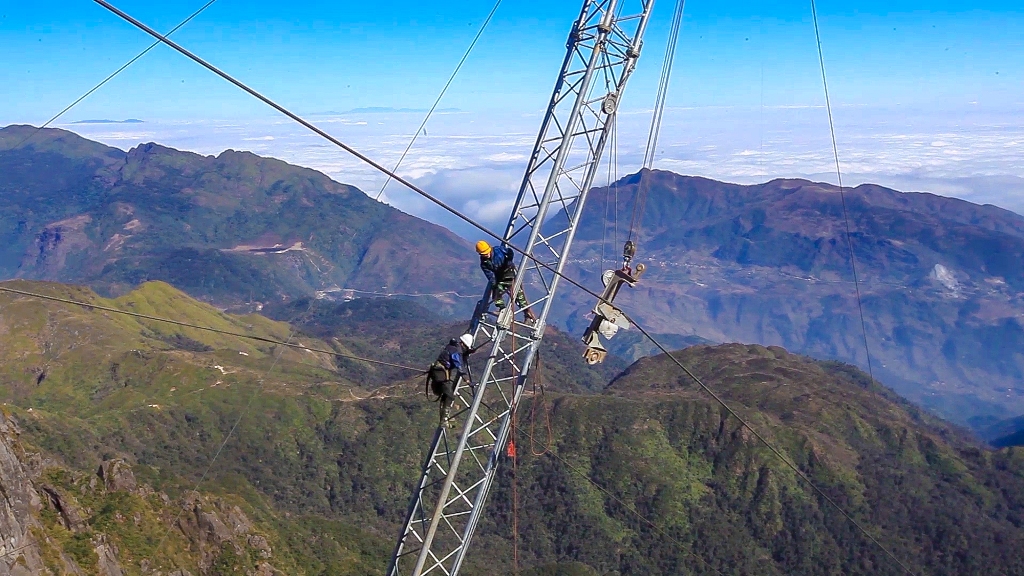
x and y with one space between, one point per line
602 51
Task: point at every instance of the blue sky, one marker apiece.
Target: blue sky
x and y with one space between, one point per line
319 55
928 95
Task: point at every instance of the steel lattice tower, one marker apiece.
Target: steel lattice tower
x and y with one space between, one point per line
602 51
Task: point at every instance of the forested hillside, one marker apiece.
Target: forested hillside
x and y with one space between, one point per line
118 418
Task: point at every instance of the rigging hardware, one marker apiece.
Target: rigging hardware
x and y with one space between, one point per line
608 319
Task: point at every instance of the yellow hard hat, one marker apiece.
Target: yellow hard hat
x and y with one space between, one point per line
483 248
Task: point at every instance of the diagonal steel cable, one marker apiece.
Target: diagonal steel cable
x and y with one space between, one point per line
440 96
112 75
227 438
842 191
778 453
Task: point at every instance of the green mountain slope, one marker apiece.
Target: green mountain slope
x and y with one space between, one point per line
322 467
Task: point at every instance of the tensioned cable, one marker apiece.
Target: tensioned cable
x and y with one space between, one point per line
128 18
462 217
20 548
440 203
199 327
610 190
439 96
112 75
636 222
615 181
842 191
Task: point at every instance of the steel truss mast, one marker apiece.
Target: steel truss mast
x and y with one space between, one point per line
447 502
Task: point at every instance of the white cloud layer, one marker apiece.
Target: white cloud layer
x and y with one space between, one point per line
475 162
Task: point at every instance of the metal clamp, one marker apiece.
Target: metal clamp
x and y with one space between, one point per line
608 319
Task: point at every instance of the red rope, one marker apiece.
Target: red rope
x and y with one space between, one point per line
542 400
515 458
515 502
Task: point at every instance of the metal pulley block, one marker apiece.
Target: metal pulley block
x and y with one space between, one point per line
610 103
608 319
628 251
595 352
607 322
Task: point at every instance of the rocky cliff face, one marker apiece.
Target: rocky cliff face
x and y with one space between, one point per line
20 505
54 521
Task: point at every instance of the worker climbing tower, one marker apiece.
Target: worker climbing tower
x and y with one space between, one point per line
601 53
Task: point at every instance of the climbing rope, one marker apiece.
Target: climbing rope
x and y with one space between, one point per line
542 401
515 499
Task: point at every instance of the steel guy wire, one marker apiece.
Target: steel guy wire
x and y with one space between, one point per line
769 445
112 75
439 96
200 327
643 186
252 397
842 191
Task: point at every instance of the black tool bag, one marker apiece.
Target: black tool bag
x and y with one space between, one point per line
437 377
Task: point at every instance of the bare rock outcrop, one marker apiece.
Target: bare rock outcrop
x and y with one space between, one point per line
117 475
107 563
19 504
210 525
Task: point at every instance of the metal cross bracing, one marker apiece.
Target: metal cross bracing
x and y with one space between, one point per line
602 51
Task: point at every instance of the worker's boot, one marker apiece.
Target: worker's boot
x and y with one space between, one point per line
530 316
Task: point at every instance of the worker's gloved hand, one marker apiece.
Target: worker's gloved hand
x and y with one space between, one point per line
500 303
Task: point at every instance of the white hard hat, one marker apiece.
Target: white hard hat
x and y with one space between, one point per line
467 340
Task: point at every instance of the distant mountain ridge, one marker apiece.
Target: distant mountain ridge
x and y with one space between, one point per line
941 279
230 228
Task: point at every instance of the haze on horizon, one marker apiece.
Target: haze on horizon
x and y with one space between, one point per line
927 96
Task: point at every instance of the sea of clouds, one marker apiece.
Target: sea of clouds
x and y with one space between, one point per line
475 161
